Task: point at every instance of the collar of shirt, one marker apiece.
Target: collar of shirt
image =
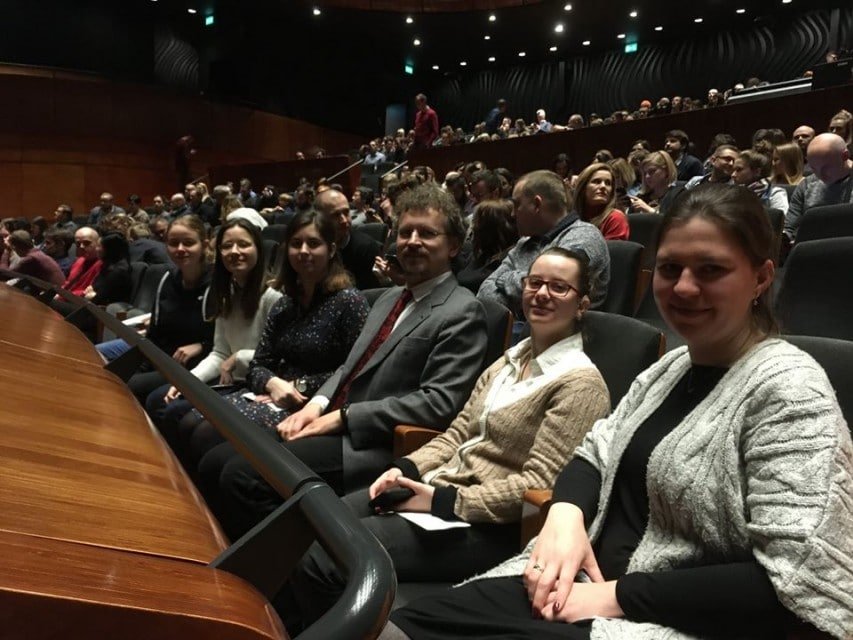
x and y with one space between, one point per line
568 220
422 290
553 361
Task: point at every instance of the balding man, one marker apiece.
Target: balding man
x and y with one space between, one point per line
830 184
103 210
803 136
544 221
87 266
358 250
179 205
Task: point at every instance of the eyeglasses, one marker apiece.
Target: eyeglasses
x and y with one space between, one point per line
555 287
406 233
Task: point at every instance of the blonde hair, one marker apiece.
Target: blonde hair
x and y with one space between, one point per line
662 160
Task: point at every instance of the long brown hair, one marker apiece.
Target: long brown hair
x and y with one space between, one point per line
580 193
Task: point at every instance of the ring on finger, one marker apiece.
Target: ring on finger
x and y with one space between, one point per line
538 567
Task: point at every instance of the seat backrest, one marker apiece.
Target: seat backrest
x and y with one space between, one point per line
815 295
274 232
147 291
372 295
499 321
270 252
625 259
376 230
80 221
777 221
644 229
831 221
137 271
836 358
621 348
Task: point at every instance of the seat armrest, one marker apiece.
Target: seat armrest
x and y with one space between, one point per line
409 438
533 513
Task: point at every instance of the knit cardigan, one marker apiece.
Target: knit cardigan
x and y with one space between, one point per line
762 468
525 444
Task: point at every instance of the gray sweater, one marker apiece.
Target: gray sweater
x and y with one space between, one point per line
813 192
762 468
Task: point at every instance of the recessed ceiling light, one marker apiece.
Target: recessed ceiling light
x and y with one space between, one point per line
786 1
585 43
697 20
521 54
658 28
492 17
552 49
463 64
567 7
435 67
559 28
316 11
621 36
487 37
192 11
409 20
416 42
741 11
491 58
633 14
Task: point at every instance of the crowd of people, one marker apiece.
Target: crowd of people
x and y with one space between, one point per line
714 500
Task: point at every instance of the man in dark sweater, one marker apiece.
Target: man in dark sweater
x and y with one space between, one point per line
32 261
676 145
358 250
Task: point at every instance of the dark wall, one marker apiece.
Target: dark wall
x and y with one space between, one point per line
773 50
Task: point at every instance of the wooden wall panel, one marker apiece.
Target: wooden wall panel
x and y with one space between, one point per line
67 137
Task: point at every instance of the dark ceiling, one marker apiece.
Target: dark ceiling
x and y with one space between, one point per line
451 37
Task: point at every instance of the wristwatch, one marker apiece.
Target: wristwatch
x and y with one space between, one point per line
301 385
345 415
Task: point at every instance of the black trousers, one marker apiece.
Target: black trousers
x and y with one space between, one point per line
240 498
418 556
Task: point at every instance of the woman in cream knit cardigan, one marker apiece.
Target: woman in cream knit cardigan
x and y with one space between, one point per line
716 501
527 413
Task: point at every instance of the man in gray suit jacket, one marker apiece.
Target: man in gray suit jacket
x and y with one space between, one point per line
421 373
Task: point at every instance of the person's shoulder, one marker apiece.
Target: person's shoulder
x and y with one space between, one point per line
349 297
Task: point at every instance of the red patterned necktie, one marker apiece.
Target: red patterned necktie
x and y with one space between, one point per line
380 337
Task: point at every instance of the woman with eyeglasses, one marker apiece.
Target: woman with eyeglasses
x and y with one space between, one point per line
527 413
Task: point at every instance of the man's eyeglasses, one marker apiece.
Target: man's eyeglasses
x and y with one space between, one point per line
424 234
555 287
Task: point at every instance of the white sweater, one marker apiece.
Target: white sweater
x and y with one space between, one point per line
762 467
236 334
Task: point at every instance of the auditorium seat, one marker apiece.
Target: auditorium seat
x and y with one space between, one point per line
271 252
376 230
836 358
625 257
814 296
831 221
274 232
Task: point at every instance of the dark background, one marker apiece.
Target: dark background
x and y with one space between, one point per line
342 69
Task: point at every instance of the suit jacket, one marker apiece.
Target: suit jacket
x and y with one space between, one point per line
358 257
422 374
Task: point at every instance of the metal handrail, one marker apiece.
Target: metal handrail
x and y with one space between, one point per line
345 169
364 606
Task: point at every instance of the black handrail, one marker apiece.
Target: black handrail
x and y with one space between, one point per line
364 606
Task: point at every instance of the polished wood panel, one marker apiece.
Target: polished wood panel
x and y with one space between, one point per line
26 321
50 589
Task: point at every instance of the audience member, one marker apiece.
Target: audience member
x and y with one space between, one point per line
38 226
787 164
178 324
539 400
248 198
542 125
677 145
374 155
737 408
143 249
415 362
179 206
87 265
595 202
57 243
831 182
113 283
204 209
135 210
722 164
484 185
752 170
426 123
158 207
31 261
362 211
544 221
104 209
357 249
62 218
841 125
159 226
493 234
495 117
659 190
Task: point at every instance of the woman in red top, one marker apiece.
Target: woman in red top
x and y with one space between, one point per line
595 199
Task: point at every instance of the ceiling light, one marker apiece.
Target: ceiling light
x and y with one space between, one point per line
567 7
786 1
585 43
316 11
559 28
633 14
658 28
521 54
409 20
552 49
492 17
193 11
697 20
416 42
435 67
487 37
741 11
621 36
491 58
463 64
